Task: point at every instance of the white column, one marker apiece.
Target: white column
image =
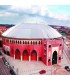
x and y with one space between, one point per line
21 57
37 58
29 58
14 56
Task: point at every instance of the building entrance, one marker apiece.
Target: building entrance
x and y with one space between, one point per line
54 58
34 55
25 55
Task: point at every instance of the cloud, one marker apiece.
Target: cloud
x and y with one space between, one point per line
59 16
30 9
16 13
7 14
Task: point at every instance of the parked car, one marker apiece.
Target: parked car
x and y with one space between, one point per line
1 56
42 72
67 68
4 60
12 72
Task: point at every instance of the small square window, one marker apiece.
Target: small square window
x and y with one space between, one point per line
60 44
49 46
49 60
59 58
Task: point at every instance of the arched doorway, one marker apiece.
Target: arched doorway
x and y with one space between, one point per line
54 57
0 43
12 52
17 54
34 55
25 55
8 53
4 51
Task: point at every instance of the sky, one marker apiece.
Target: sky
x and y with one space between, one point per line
50 14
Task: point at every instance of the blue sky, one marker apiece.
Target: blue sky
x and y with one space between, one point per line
51 14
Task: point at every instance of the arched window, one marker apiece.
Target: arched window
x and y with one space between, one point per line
17 51
25 55
34 55
31 42
49 46
10 41
28 42
7 40
39 42
20 42
60 44
16 42
36 42
23 42
25 52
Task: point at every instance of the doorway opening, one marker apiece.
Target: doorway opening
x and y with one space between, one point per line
54 58
34 55
25 55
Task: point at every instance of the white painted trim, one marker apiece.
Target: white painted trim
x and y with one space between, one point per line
29 58
47 54
37 58
55 49
21 57
14 56
60 52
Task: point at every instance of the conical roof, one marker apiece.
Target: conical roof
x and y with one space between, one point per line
31 30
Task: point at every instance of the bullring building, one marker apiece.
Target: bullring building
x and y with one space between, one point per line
33 42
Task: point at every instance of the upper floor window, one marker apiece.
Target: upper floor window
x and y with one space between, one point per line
28 42
39 42
10 41
31 42
25 42
7 40
36 42
60 44
49 46
20 42
16 42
